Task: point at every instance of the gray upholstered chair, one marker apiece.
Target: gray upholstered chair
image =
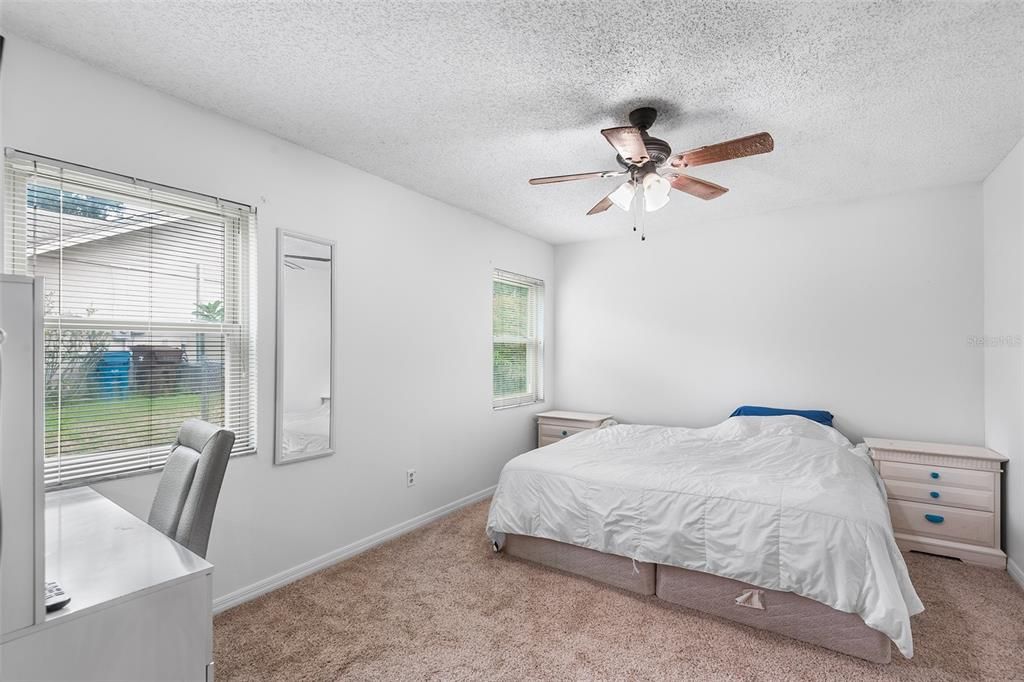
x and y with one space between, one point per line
187 494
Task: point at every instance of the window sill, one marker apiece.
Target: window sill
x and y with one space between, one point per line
126 474
498 408
102 479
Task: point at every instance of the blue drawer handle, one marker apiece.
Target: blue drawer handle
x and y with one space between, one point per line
934 495
935 474
934 518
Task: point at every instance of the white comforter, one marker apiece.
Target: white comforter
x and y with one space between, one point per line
783 503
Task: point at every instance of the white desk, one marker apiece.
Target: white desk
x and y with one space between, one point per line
141 604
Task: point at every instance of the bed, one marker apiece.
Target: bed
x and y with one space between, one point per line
777 522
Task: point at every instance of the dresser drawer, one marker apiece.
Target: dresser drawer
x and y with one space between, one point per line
555 431
963 525
969 498
946 476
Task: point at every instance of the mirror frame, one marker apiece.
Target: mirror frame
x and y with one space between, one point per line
280 457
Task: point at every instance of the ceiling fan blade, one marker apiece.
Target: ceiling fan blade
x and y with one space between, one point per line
601 206
699 188
761 143
629 143
574 176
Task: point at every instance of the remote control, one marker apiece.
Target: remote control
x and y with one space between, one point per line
56 599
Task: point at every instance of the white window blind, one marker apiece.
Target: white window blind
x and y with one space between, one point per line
149 313
518 339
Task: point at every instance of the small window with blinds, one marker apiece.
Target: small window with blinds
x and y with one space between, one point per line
149 313
518 339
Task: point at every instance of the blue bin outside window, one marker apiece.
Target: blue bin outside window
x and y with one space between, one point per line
112 372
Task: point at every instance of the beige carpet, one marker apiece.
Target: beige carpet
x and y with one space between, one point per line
438 604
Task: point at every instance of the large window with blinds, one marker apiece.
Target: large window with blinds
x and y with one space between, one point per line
518 339
149 313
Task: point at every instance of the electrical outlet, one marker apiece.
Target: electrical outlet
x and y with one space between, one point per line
410 478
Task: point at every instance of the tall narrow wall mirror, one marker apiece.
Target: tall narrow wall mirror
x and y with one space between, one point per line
305 348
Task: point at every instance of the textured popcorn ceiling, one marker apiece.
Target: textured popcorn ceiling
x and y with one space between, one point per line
464 101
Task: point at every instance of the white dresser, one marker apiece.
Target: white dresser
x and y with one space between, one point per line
555 425
943 499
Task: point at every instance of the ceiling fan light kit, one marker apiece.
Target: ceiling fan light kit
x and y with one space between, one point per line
654 171
656 189
623 195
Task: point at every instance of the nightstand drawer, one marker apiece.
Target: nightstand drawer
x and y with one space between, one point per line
547 441
969 498
963 525
556 431
946 476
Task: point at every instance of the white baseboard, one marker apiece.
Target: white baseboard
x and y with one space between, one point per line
1015 572
348 551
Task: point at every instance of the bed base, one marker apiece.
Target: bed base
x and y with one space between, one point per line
784 613
617 571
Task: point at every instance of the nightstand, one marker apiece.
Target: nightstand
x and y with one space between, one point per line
555 425
943 499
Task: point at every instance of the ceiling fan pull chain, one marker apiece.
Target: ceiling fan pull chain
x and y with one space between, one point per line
639 208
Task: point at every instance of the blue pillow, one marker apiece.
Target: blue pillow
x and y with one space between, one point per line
820 416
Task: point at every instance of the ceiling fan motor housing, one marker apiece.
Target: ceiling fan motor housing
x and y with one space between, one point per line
659 150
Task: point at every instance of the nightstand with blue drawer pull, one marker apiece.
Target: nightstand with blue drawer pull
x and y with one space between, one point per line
943 499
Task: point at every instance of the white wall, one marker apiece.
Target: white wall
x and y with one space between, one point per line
1003 192
414 363
862 308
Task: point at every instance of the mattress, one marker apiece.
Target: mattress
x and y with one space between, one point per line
779 503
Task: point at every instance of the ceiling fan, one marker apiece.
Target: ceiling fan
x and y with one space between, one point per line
654 171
